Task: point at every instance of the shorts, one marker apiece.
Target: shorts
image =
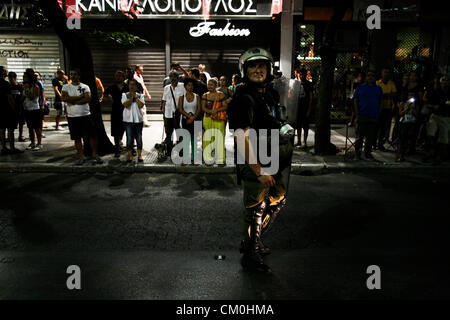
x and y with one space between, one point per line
61 108
444 130
81 127
432 125
34 119
8 120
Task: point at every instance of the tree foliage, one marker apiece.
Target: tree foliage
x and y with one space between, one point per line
122 38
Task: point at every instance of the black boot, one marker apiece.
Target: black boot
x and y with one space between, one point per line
262 249
252 260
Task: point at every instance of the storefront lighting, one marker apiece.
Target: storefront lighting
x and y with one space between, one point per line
308 58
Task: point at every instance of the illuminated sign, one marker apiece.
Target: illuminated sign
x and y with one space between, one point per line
204 28
174 8
167 6
155 9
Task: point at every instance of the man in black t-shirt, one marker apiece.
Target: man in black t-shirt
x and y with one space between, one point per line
59 105
8 118
18 97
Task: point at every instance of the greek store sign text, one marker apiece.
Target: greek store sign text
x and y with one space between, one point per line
167 7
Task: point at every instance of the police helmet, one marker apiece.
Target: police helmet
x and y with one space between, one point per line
256 54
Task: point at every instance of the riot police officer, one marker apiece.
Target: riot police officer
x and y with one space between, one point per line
255 105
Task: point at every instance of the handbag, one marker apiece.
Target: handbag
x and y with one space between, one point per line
46 109
221 115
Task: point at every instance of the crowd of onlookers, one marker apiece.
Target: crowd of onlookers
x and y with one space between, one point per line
408 116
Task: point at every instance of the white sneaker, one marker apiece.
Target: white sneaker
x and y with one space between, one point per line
31 146
37 147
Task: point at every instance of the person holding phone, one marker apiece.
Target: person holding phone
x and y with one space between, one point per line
133 119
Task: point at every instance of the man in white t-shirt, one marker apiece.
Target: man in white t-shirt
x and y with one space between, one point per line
172 93
138 76
77 95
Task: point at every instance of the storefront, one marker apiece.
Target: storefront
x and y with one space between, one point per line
216 43
214 37
43 52
211 32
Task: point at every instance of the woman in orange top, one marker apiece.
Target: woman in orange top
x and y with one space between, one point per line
214 128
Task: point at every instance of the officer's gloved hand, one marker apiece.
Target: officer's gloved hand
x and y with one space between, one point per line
287 131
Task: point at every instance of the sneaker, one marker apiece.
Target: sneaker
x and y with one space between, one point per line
43 135
80 161
31 146
22 139
37 147
98 160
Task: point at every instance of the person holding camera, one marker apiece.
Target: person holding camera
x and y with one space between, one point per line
408 113
133 119
189 106
169 107
33 110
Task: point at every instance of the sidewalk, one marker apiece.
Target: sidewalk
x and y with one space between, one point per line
58 155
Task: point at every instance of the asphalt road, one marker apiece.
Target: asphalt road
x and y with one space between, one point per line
155 236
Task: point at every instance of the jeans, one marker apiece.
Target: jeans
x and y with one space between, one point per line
193 142
134 132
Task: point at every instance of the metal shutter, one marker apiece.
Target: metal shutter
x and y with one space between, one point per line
153 61
108 58
217 62
42 52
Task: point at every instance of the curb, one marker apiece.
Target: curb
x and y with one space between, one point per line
306 169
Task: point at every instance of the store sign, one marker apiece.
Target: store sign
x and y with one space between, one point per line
12 11
167 6
205 28
175 8
151 9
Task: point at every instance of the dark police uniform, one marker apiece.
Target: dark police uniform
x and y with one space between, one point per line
251 108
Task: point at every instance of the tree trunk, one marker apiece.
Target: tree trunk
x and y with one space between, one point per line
81 58
322 137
